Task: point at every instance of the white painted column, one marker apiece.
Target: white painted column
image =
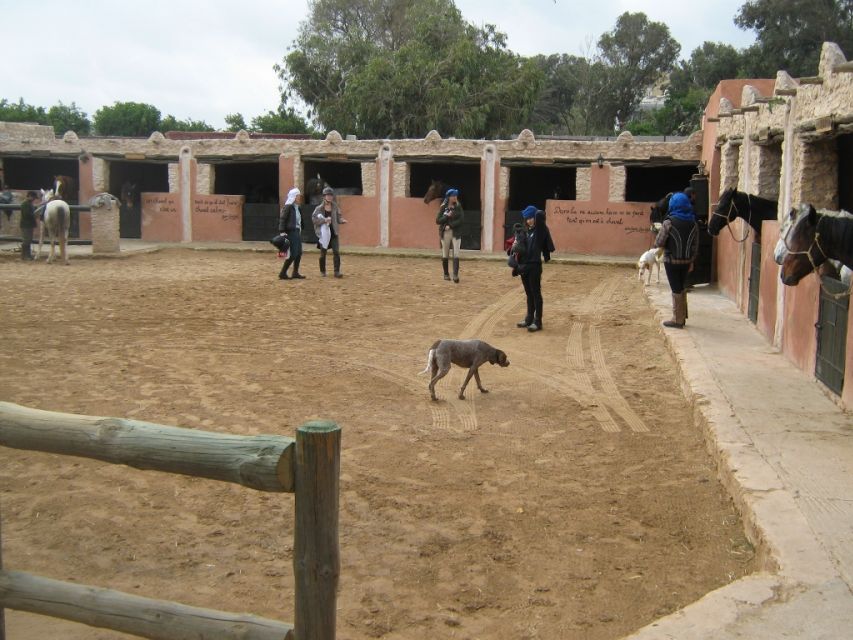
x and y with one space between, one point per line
488 237
185 164
788 151
385 157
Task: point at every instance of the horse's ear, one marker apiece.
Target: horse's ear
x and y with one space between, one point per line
812 215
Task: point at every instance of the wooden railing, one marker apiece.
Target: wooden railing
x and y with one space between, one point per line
308 466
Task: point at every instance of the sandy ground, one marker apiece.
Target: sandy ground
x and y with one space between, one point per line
575 500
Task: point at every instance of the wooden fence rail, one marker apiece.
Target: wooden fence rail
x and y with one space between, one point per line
308 466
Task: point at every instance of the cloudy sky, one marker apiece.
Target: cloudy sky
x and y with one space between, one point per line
203 60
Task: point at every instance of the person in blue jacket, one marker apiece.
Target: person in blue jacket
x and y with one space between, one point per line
538 247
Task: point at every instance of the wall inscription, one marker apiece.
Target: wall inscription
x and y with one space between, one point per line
628 221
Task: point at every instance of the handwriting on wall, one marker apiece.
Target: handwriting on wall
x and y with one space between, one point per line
226 208
627 221
159 203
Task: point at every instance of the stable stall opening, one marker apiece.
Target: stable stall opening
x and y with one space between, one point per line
128 180
37 173
650 184
845 172
257 182
458 175
534 185
343 176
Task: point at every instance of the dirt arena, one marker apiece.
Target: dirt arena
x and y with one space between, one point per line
574 501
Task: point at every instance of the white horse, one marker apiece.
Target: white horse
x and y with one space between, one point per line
57 218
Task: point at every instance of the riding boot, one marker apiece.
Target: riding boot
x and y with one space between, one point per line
455 269
336 261
684 304
296 275
323 263
444 264
283 275
677 321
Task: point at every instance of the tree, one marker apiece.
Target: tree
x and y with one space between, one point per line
68 118
636 55
170 123
21 112
398 68
285 120
236 122
790 33
127 119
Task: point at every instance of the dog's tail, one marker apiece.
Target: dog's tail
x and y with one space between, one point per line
430 358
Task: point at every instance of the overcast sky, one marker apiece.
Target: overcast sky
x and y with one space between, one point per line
203 60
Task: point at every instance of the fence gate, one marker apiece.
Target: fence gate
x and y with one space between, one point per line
754 282
832 333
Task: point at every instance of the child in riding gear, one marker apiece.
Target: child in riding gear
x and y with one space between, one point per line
449 221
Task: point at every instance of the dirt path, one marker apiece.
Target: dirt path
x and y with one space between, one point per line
573 501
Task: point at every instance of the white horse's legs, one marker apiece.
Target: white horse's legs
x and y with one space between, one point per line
41 239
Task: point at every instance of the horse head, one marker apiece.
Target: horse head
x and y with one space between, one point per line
659 210
435 191
724 213
795 250
128 193
64 187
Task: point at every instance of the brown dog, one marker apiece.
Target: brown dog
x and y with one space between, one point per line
463 353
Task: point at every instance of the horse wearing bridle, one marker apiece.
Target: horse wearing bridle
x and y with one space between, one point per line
737 204
56 217
435 191
810 237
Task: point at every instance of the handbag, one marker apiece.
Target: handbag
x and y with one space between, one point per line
280 242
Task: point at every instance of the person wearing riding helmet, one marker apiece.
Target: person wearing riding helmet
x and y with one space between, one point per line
449 221
538 247
327 218
679 237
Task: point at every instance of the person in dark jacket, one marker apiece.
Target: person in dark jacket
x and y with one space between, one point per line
679 237
28 224
538 247
290 223
449 221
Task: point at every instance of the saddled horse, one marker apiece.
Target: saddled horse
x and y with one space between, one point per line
435 191
737 204
56 217
808 238
65 188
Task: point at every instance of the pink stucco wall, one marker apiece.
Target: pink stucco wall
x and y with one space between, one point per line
770 281
412 223
217 218
799 342
161 217
362 216
733 271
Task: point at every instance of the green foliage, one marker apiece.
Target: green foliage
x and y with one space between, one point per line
399 68
285 120
170 123
21 112
68 118
127 119
636 54
790 33
235 122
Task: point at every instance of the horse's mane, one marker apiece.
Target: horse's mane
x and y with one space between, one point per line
841 213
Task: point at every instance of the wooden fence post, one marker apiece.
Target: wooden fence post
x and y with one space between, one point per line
316 556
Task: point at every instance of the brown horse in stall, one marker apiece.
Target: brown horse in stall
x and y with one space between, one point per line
65 188
436 190
809 238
